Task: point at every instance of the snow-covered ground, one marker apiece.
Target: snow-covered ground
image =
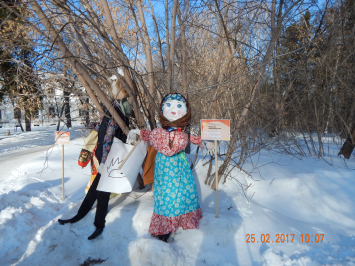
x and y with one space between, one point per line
308 205
26 145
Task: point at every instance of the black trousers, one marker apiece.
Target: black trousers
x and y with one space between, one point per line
101 207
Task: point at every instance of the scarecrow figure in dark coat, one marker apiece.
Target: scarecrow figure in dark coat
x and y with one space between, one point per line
106 130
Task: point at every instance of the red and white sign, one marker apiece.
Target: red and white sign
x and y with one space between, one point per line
62 137
215 129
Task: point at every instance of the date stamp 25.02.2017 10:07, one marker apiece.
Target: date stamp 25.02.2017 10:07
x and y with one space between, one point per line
284 238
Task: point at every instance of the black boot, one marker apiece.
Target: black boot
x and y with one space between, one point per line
71 220
62 222
163 237
96 233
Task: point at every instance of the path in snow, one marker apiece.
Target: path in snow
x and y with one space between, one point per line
11 161
20 147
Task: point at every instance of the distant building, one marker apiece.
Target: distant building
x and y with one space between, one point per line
47 115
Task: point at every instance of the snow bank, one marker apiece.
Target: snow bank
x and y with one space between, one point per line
285 196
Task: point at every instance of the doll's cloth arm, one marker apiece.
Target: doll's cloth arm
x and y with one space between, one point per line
95 125
132 136
84 158
108 139
209 146
145 135
196 140
88 150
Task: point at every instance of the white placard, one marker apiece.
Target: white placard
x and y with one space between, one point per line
62 138
121 181
215 129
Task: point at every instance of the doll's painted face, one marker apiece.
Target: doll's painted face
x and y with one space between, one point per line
174 109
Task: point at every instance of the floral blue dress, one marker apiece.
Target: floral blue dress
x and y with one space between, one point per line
175 189
176 201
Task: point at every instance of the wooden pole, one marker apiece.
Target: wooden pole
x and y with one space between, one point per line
216 180
129 154
62 172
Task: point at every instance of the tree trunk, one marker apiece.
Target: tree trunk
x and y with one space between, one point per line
348 145
87 114
158 36
167 43
17 115
67 109
144 36
351 117
172 48
184 67
60 117
27 120
274 127
19 122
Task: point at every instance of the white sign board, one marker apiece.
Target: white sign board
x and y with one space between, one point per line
62 137
215 129
121 181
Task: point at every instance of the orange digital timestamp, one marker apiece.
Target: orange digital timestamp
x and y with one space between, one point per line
285 238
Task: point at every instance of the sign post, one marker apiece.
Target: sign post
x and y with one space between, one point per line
63 172
64 139
216 172
215 129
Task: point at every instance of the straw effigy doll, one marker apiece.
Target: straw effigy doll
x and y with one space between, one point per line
176 201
